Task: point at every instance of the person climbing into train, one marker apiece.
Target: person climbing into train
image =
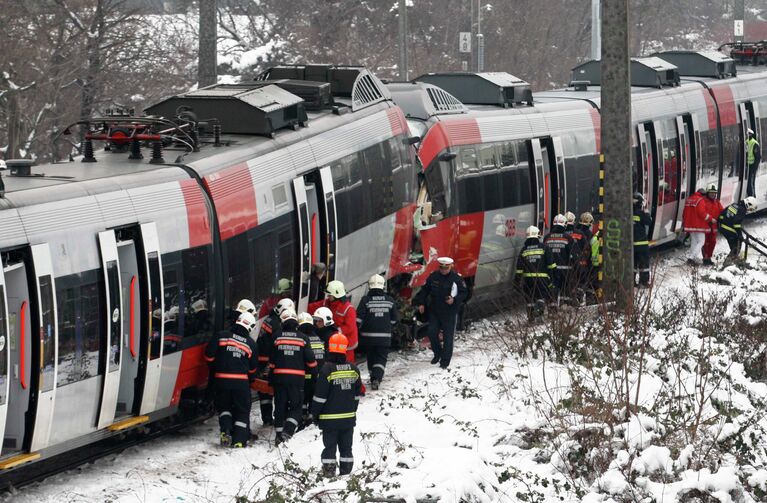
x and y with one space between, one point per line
714 209
642 223
753 158
306 327
232 355
316 282
377 316
334 407
292 357
535 266
731 224
271 327
559 245
581 258
443 292
344 314
697 221
283 290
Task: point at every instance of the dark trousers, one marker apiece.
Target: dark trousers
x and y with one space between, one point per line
377 356
446 323
265 402
233 407
535 290
733 241
642 264
309 386
341 440
751 183
288 403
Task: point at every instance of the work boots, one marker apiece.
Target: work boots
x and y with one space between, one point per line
328 469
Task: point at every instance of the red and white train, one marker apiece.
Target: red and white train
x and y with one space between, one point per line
117 267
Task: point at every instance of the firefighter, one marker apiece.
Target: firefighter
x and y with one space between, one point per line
753 158
569 222
292 357
582 260
344 314
232 354
444 291
271 327
243 306
642 224
559 245
376 317
697 221
306 327
731 224
334 406
714 208
533 267
324 324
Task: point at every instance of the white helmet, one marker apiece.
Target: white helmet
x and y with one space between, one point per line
284 304
247 320
570 218
750 203
560 220
711 187
324 314
376 281
305 318
246 306
336 289
288 314
199 305
587 218
533 232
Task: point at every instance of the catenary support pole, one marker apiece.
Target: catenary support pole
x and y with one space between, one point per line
206 66
617 231
403 70
740 18
596 25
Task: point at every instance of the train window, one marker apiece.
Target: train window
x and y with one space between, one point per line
79 310
377 183
47 336
173 316
469 162
491 186
4 348
469 181
114 322
507 154
239 283
154 328
400 175
197 323
285 255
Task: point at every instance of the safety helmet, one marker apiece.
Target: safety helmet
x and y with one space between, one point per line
199 305
533 232
750 131
376 281
337 343
246 306
247 320
288 314
638 198
284 304
750 203
711 187
560 220
284 285
587 218
324 314
570 218
336 289
305 318
174 312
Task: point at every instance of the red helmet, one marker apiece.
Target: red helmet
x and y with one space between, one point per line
337 343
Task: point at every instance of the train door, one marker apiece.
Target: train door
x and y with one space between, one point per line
304 244
754 116
744 125
684 141
152 307
5 361
111 354
693 155
30 293
648 151
542 197
554 175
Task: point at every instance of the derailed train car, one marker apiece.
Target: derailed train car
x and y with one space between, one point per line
118 267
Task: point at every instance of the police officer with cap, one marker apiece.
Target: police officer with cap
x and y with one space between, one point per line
444 292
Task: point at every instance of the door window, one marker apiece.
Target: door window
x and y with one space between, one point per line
4 348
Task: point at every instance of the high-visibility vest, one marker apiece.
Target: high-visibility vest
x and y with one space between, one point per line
751 145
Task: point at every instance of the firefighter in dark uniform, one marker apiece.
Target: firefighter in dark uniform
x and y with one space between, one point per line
581 265
559 244
292 357
534 266
271 327
376 316
306 327
324 324
444 291
232 354
334 406
642 224
569 223
731 224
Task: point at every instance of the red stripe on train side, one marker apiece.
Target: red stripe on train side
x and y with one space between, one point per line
726 104
192 372
235 199
196 213
710 108
448 134
403 239
596 120
396 121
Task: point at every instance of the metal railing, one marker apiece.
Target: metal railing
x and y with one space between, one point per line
751 242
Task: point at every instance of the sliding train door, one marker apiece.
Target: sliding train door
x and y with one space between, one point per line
304 243
548 172
542 197
5 361
152 306
111 356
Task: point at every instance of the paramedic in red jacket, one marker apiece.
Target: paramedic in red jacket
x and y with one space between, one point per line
697 220
714 209
344 314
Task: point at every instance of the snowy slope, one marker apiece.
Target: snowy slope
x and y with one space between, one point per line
503 425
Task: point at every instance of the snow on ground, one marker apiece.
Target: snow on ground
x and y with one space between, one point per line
503 425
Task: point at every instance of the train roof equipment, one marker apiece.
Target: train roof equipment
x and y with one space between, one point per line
486 88
419 100
352 86
645 72
747 53
700 63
